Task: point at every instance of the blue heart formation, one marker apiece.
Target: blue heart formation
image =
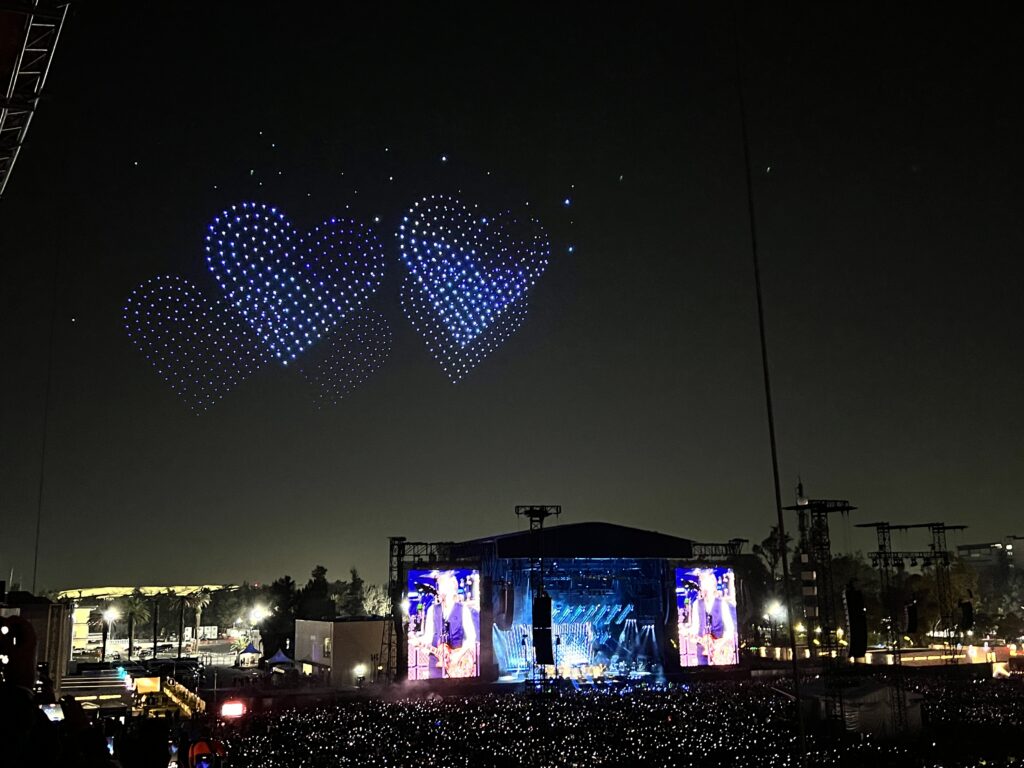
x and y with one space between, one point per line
193 342
465 291
455 359
469 275
291 288
353 353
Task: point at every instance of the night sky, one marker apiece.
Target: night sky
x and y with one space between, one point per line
887 161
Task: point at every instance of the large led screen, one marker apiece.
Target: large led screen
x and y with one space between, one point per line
444 623
706 603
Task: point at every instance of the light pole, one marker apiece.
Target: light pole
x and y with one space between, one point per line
110 615
256 615
776 613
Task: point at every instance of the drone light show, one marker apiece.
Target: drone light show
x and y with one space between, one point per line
456 360
467 273
291 288
465 291
194 343
354 352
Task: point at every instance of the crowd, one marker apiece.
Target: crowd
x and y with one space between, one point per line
703 724
711 724
973 704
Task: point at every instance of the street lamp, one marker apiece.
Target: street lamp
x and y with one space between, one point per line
110 615
775 614
256 615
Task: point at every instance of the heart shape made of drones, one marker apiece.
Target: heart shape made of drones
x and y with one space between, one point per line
469 268
456 360
353 353
292 289
194 343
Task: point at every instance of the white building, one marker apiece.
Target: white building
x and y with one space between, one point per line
345 652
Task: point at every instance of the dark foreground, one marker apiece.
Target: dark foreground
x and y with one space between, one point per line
704 724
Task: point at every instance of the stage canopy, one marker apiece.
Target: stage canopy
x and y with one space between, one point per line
581 540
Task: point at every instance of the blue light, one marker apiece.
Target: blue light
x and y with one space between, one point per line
567 202
292 288
196 345
468 276
354 352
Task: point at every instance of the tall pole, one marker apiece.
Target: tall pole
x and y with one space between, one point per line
46 423
780 518
181 623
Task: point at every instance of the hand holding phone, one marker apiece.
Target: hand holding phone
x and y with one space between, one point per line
53 711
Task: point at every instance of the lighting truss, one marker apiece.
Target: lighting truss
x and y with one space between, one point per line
43 22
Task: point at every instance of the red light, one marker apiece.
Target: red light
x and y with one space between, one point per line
232 709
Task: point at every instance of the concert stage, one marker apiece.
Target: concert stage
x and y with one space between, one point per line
625 604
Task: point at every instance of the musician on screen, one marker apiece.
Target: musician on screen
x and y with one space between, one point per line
449 632
713 621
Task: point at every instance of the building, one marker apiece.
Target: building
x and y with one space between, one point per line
990 554
345 653
53 627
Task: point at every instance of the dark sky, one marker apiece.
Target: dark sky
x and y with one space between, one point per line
887 155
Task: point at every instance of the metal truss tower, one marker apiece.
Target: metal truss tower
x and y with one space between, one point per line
717 550
43 23
818 589
816 561
940 560
886 561
393 660
889 561
537 514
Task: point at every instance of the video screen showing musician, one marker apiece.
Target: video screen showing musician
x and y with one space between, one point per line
444 624
706 603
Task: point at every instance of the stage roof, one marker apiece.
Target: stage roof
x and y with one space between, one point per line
582 540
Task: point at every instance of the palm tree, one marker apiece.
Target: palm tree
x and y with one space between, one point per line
136 609
181 602
200 600
773 549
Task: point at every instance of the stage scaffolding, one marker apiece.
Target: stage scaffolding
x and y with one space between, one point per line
402 554
43 23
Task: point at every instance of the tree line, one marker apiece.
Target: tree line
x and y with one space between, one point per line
282 602
995 593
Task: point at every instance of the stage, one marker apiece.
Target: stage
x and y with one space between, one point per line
625 605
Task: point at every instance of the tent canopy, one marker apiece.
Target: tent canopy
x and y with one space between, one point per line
279 658
250 648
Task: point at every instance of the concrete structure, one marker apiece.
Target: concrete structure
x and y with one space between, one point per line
340 651
53 627
989 554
